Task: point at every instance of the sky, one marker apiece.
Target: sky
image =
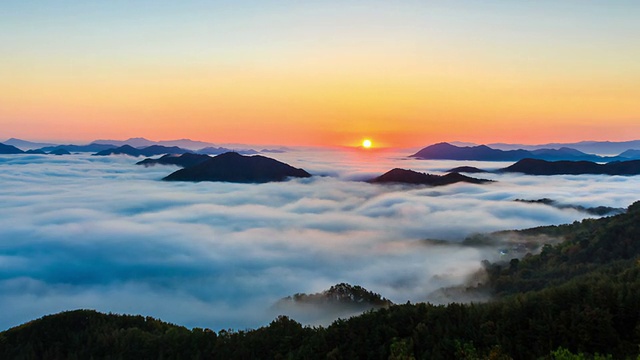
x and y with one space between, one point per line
92 232
326 73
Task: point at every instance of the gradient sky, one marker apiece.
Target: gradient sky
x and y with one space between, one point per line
320 72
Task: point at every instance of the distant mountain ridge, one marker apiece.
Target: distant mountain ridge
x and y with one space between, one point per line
145 151
184 160
140 142
210 150
92 147
594 147
26 145
543 167
446 151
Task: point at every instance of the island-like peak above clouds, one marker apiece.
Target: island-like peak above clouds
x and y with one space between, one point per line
340 294
403 176
233 167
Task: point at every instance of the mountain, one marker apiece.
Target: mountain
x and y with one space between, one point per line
146 151
233 167
446 151
35 151
93 147
542 167
24 144
592 147
403 176
221 150
630 154
184 160
9 149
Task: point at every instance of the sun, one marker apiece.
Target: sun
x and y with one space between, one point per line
366 143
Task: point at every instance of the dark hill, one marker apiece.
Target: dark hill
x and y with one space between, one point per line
184 160
60 151
467 169
9 149
233 167
122 150
35 151
404 176
446 151
542 167
147 151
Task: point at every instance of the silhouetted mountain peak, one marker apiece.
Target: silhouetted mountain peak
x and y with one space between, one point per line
404 176
234 167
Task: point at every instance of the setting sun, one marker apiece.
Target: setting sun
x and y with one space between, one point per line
366 143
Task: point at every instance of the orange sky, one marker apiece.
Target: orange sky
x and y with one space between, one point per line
408 77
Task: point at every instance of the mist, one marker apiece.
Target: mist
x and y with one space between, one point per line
102 233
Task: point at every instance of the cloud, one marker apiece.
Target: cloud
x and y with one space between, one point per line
81 231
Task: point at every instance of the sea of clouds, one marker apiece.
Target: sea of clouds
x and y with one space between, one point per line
83 231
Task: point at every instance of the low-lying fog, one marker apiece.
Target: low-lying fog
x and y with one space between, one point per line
93 232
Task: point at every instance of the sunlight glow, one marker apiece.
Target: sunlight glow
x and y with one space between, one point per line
366 143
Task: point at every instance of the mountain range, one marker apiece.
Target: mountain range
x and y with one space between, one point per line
446 151
542 167
593 147
139 142
26 145
144 151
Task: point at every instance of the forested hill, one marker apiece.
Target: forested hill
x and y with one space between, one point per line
580 296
